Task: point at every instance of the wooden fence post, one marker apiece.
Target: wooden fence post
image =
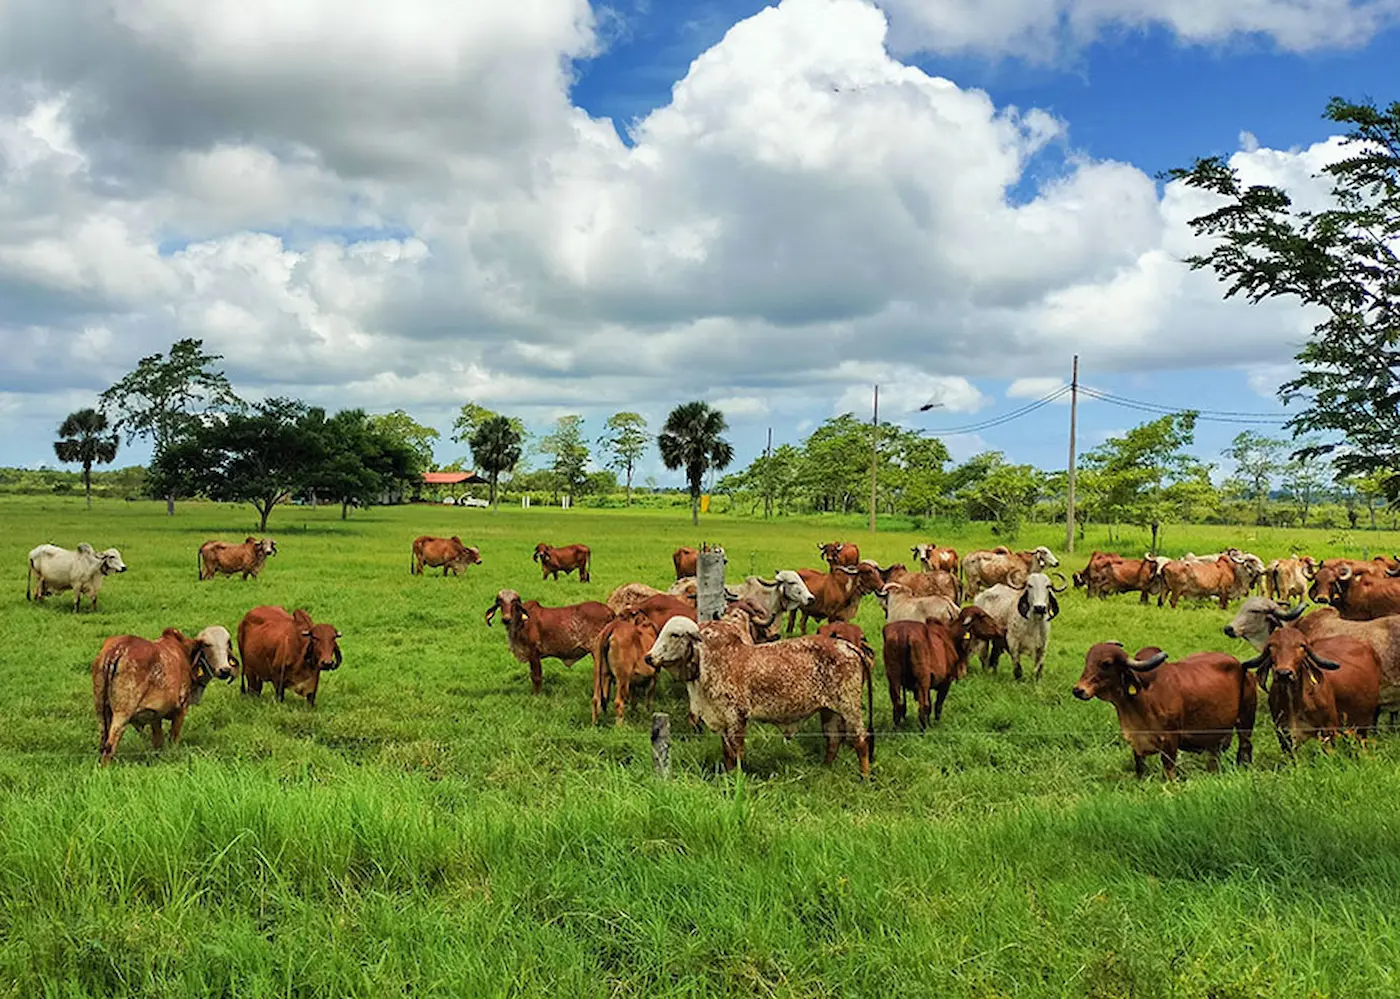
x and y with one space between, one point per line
661 744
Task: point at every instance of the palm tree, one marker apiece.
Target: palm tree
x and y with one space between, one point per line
84 438
691 440
496 448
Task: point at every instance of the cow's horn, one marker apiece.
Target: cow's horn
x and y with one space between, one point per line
1344 572
1064 583
1143 665
1262 659
1293 613
1321 663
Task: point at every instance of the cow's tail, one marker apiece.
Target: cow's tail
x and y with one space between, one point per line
108 667
28 578
600 654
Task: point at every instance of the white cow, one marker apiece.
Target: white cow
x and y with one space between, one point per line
82 571
783 593
901 604
1025 613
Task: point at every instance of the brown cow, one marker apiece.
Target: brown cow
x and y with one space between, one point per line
932 556
1197 704
1259 617
847 632
686 561
217 557
448 553
1324 578
835 594
931 583
839 553
1228 577
1108 574
1365 596
1287 579
921 656
536 633
1318 687
567 559
731 682
619 655
662 607
138 682
287 651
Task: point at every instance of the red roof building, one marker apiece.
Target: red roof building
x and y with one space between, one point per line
453 479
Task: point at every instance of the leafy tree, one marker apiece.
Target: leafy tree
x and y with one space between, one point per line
1146 477
691 440
83 439
260 457
1258 459
1305 481
992 489
625 438
496 445
1343 260
569 453
402 429
166 396
360 462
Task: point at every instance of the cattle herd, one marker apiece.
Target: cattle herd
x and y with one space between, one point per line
1323 673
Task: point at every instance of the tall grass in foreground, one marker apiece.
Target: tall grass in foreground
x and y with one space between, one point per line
432 829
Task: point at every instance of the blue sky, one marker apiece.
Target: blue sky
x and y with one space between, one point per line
447 232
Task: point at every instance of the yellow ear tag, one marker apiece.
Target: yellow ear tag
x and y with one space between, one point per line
1314 677
966 635
1132 689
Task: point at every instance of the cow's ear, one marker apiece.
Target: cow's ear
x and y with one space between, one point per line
1054 606
1023 606
338 634
306 634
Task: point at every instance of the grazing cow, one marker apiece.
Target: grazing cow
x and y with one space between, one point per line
931 557
1318 687
1025 615
783 594
982 569
1108 574
630 595
248 558
1287 579
1229 577
448 553
619 655
57 569
900 604
536 633
924 656
289 651
140 683
731 683
836 594
1259 617
1365 596
1197 704
568 559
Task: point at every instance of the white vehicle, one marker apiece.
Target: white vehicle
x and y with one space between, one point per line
472 501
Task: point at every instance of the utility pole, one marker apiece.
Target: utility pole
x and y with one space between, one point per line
874 455
1073 420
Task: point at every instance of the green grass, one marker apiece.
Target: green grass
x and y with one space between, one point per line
432 829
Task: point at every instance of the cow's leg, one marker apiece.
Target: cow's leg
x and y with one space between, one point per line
1176 598
177 725
1213 761
834 727
1039 662
311 699
897 709
732 743
536 673
943 689
1169 760
792 623
157 735
1285 742
1139 765
1224 601
114 735
924 707
1016 663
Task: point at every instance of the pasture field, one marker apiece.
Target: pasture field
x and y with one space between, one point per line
433 829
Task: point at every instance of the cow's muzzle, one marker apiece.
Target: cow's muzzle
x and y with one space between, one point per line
1230 631
1082 693
649 660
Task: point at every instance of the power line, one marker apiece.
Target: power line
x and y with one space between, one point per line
1208 415
997 421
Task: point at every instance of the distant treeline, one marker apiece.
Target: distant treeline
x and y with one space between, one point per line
123 483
